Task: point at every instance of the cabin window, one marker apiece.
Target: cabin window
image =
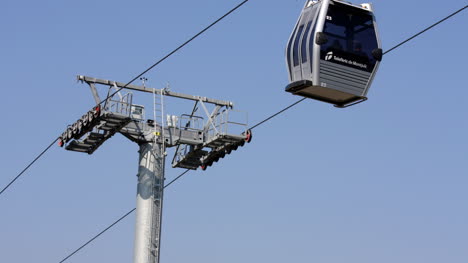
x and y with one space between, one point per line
288 50
296 46
304 43
351 37
315 9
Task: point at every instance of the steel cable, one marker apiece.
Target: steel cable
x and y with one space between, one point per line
267 119
135 78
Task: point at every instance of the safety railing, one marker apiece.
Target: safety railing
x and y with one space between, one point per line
190 122
228 121
121 106
186 123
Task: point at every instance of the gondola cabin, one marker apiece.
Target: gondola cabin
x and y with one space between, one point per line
333 52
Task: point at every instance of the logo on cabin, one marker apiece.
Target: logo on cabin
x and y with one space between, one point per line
329 55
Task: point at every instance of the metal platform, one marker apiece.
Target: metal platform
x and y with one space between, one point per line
219 140
102 129
99 124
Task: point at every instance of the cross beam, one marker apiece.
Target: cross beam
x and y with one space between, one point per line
169 93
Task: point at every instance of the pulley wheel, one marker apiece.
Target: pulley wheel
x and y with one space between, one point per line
248 135
97 111
90 117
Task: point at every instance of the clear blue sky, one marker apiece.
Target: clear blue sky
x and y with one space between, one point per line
384 181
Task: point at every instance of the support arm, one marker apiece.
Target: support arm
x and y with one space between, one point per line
95 93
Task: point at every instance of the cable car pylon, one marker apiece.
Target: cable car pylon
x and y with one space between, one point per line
200 141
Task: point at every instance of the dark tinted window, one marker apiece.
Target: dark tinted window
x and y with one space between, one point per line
296 46
304 43
288 50
311 46
351 37
315 10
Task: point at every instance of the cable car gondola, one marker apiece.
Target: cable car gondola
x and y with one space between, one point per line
333 52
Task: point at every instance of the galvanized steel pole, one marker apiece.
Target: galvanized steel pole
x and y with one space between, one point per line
149 203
